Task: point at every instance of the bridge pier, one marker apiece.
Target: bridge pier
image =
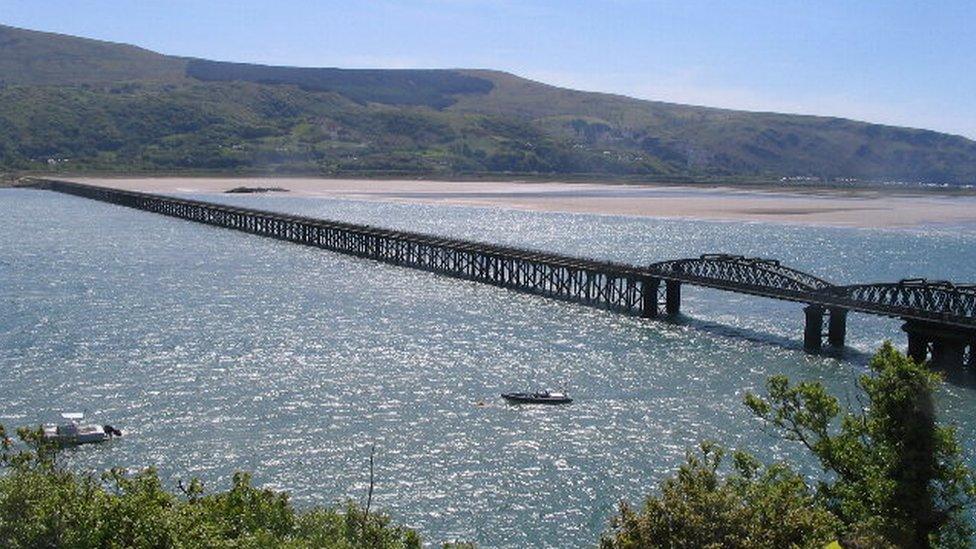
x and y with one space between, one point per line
649 292
944 313
946 346
813 327
948 352
918 347
813 334
837 327
672 302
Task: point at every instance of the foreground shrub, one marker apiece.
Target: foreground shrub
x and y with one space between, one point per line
751 507
42 505
892 477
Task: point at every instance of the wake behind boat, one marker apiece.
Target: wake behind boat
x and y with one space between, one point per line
541 397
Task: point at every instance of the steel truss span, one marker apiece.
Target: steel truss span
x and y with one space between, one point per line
620 287
600 284
737 273
919 299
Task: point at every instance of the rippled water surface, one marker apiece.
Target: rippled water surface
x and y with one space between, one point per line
218 351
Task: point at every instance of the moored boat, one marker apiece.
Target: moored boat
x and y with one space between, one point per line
72 432
540 397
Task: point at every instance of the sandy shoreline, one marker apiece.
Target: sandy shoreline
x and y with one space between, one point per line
839 208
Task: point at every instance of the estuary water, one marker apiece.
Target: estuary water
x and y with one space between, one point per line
217 351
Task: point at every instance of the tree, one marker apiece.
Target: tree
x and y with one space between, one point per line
44 505
753 507
892 476
893 472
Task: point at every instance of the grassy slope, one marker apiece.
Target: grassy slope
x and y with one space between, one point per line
416 87
243 126
31 57
108 105
728 141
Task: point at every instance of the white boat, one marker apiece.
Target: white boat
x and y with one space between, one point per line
72 432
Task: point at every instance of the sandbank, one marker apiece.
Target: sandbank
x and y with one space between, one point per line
852 208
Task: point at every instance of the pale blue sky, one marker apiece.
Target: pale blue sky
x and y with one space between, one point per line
909 63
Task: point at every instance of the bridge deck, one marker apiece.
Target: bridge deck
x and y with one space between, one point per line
617 286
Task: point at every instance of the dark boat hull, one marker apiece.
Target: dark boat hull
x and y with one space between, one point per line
522 398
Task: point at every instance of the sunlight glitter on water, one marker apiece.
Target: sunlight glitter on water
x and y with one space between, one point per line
218 351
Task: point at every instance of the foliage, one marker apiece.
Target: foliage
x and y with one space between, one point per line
892 477
43 505
237 126
432 88
752 507
894 473
71 104
31 57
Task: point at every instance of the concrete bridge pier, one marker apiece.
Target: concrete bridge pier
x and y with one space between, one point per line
672 301
946 347
649 297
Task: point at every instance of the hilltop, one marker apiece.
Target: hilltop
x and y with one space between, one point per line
75 104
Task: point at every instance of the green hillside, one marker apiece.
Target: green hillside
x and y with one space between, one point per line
730 142
430 88
75 104
32 58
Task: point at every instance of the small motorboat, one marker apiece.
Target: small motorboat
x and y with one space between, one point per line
72 432
541 397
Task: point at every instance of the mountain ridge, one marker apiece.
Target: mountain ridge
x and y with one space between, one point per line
131 108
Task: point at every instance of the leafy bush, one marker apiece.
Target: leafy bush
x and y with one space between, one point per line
752 507
891 471
43 505
892 477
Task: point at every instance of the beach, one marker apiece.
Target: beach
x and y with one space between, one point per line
833 207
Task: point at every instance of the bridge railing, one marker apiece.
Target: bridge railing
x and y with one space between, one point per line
759 276
598 283
919 299
620 285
